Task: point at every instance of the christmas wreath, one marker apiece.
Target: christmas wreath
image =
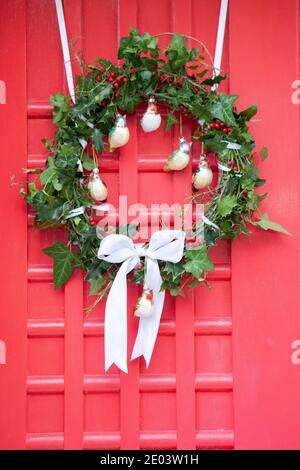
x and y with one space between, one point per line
182 79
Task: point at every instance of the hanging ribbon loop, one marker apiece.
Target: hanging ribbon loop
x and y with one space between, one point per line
165 245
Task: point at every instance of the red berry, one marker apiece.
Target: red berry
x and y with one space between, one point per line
118 78
161 78
225 130
170 79
153 73
228 130
186 115
132 70
116 85
182 107
117 94
217 125
159 66
179 81
113 74
230 163
139 267
245 192
235 168
222 124
125 80
110 79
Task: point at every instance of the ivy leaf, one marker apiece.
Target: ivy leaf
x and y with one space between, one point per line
264 153
49 173
60 107
170 121
96 285
97 139
223 108
266 224
64 262
198 261
248 113
174 269
226 204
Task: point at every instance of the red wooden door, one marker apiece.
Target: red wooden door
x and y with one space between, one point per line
221 375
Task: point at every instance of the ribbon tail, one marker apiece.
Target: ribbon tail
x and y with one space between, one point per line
148 327
115 327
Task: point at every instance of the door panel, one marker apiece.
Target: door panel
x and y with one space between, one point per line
56 393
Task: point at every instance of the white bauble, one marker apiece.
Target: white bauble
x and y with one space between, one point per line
203 176
118 137
150 122
97 187
143 307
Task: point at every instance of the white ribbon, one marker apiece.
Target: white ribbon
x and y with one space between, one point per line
165 245
210 223
81 210
65 48
220 39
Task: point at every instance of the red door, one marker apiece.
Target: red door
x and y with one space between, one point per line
224 372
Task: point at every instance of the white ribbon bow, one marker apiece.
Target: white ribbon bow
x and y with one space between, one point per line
164 245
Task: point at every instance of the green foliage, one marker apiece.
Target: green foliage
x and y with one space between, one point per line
180 79
266 224
198 262
64 262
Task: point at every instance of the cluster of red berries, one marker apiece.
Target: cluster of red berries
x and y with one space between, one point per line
184 111
117 81
220 126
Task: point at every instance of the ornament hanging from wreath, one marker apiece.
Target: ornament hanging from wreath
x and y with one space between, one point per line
67 190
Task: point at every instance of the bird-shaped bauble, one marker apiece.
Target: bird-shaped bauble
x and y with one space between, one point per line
203 176
97 187
151 120
143 306
180 158
119 134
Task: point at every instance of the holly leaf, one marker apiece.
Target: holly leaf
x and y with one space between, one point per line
266 224
223 108
97 139
178 43
198 261
170 121
264 153
64 262
87 162
226 204
248 113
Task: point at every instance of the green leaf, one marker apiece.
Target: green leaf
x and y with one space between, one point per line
170 121
96 285
214 81
198 261
97 139
266 224
178 43
248 113
87 162
49 173
226 204
264 153
223 108
64 262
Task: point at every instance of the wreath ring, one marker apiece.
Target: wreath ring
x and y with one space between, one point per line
63 194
